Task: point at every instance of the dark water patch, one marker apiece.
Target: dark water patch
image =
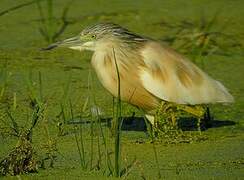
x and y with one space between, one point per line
189 123
134 124
221 123
131 123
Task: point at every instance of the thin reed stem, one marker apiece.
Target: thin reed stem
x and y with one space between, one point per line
78 148
118 123
91 124
82 147
40 86
151 134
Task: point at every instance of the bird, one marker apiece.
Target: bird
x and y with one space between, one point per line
150 72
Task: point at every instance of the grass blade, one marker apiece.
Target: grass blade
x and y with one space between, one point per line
118 123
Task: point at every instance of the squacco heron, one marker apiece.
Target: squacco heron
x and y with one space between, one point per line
150 72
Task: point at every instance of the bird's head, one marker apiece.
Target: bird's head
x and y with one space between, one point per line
99 35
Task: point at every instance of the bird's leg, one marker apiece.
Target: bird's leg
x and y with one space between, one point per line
167 114
207 117
171 111
199 125
166 117
198 111
151 119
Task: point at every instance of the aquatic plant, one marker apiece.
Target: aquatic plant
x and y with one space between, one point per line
118 123
22 158
49 27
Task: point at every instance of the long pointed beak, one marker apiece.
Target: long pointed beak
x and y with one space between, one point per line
71 42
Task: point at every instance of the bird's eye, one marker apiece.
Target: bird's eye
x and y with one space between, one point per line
93 36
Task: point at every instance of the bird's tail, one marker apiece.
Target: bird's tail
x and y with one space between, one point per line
223 94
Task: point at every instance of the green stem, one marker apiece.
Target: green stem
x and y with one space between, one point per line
151 133
118 123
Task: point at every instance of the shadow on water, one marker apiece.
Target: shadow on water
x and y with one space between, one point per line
130 123
133 123
189 123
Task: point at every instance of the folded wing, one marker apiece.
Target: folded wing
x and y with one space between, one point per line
172 77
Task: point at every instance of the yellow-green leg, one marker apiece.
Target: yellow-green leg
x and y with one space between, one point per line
197 110
171 111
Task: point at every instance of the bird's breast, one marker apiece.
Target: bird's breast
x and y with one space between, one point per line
103 65
131 88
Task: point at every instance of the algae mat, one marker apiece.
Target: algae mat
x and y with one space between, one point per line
219 155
